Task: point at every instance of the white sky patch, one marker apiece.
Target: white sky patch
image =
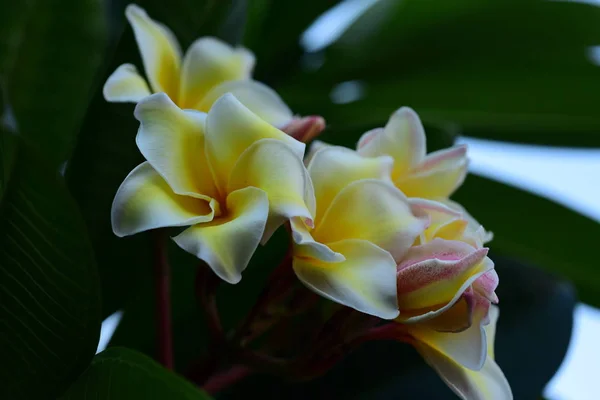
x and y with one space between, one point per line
330 25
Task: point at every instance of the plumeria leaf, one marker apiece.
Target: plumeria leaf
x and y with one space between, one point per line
445 64
49 287
124 374
50 55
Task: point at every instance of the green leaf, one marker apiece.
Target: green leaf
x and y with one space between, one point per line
536 230
49 59
106 152
485 66
534 329
120 373
50 309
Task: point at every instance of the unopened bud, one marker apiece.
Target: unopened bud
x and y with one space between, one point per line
306 128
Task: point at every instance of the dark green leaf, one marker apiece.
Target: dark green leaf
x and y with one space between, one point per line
273 33
536 317
486 66
119 373
537 230
52 54
50 308
106 152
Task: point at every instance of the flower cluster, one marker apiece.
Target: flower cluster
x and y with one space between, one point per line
373 229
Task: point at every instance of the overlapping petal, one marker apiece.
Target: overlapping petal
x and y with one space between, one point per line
230 129
438 176
271 165
145 201
208 63
172 140
432 277
227 243
371 210
125 85
486 383
333 168
259 98
160 51
363 281
403 138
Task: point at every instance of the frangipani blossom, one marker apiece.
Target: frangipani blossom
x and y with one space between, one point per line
362 224
446 286
228 175
209 69
417 174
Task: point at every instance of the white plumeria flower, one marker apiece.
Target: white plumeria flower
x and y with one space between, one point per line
209 69
362 224
228 175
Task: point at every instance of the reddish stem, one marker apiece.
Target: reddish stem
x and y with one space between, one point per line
163 301
276 285
220 381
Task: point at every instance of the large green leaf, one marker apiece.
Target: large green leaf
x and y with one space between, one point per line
106 151
538 230
49 57
534 329
486 66
50 308
119 373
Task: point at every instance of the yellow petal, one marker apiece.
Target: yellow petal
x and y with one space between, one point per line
467 348
172 140
208 63
440 174
259 98
125 85
365 281
227 243
305 245
272 166
145 201
403 138
230 129
371 210
488 383
433 276
160 51
333 168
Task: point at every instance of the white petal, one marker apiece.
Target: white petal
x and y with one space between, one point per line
208 63
365 281
258 97
227 243
172 140
125 85
489 383
145 201
403 138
